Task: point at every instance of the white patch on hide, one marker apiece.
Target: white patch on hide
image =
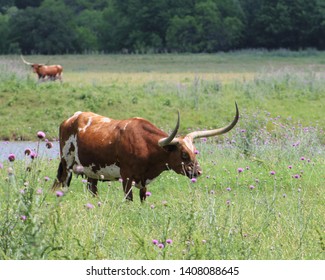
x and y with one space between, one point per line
86 126
110 172
124 128
70 154
106 120
75 115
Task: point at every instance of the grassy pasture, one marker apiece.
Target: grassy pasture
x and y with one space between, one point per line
203 87
262 192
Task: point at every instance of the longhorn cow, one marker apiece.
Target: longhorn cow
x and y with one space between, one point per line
133 150
52 72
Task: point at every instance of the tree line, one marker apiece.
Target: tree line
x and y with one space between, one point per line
154 26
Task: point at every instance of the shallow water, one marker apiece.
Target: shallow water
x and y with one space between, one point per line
18 149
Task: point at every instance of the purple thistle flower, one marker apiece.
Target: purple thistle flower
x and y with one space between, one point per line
11 157
290 166
59 193
196 152
23 217
41 135
148 193
272 172
155 242
251 187
152 206
228 189
78 169
46 178
228 202
27 151
49 145
169 241
296 176
193 180
1 165
161 246
22 191
302 158
39 191
89 206
240 170
33 155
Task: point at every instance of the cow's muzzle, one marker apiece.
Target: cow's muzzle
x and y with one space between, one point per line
192 171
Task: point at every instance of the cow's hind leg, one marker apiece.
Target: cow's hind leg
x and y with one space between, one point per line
59 77
92 186
63 177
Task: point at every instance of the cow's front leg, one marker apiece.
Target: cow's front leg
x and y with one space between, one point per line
92 186
143 194
127 187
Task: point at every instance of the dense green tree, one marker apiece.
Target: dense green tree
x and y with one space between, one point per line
22 4
88 24
139 24
183 34
5 4
209 28
67 26
290 24
114 31
47 29
4 33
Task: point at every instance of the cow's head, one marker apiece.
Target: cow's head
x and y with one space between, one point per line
35 66
182 152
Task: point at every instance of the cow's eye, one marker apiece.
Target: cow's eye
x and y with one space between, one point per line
185 155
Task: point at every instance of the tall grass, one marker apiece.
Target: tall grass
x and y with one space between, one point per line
261 201
202 87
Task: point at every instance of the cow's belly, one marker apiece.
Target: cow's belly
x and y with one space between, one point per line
110 172
70 153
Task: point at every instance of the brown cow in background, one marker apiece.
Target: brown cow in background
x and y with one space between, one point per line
49 72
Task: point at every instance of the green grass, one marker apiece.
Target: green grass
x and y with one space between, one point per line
225 214
203 87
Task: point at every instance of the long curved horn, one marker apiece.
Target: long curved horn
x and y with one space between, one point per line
218 131
170 140
28 63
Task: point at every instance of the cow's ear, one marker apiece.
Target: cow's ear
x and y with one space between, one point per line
170 148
